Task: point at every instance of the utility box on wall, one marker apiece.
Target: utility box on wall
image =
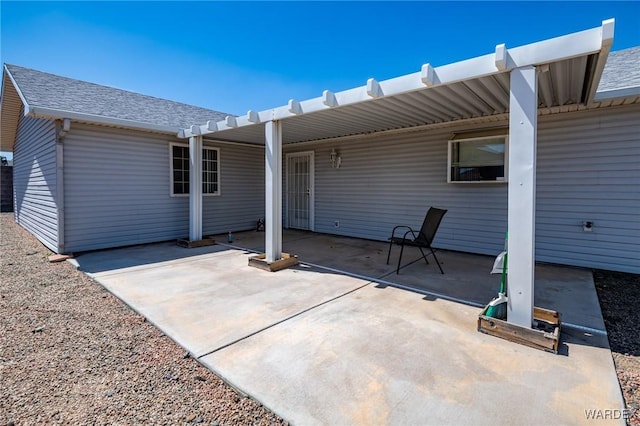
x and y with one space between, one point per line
6 188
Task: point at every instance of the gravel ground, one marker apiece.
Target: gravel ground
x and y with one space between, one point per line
619 296
73 353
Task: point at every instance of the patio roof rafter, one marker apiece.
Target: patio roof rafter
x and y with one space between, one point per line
592 41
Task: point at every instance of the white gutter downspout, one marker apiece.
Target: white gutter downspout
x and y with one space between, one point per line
62 132
523 131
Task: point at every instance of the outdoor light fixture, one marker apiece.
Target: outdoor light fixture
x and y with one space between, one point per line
335 158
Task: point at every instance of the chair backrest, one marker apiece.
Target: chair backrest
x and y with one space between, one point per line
430 225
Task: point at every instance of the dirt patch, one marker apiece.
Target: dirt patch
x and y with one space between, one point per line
73 353
619 296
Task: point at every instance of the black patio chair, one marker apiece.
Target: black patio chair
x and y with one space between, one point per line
421 239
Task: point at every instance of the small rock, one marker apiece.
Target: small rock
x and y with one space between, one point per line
198 420
110 392
191 417
38 329
202 379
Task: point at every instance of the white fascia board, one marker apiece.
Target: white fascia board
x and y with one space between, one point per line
542 52
623 92
607 41
43 112
27 108
556 49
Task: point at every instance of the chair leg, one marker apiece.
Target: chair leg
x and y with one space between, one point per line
389 254
400 259
437 262
424 256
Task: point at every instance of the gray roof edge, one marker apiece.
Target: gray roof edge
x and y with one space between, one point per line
51 113
7 66
17 88
617 93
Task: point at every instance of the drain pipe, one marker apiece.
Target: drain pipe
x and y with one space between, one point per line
63 129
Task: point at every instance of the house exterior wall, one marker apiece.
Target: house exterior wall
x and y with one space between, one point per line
588 169
34 179
117 189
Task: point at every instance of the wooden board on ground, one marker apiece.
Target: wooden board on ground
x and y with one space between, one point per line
196 243
285 261
545 335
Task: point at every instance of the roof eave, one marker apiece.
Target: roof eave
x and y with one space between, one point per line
8 135
52 113
620 93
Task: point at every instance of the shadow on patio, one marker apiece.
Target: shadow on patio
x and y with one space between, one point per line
467 277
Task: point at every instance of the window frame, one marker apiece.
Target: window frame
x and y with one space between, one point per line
461 139
209 148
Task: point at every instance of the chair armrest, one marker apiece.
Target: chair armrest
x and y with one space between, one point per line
410 231
393 233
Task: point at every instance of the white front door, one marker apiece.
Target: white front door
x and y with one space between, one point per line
300 191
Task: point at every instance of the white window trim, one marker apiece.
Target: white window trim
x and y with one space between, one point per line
481 182
171 193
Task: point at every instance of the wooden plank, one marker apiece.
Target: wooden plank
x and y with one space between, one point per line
287 260
547 315
535 338
197 243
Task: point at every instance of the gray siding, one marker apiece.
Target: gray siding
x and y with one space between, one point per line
117 190
241 202
588 169
389 180
34 173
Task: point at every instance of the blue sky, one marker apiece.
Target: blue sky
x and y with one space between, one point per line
235 56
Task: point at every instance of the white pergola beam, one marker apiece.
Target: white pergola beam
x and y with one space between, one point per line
195 188
523 127
253 116
230 121
547 51
373 88
329 99
501 57
294 107
428 75
273 190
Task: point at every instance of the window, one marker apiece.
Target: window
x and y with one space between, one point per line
479 159
180 170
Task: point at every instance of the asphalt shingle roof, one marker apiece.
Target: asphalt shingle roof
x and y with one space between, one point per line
46 90
621 70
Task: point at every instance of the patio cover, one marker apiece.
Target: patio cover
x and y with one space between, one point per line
558 74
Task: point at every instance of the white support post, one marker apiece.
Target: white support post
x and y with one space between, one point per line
195 188
273 190
523 130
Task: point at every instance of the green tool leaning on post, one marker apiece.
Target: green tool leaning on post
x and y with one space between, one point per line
498 306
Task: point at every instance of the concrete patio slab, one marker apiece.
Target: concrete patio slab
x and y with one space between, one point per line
207 301
321 347
387 356
467 277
